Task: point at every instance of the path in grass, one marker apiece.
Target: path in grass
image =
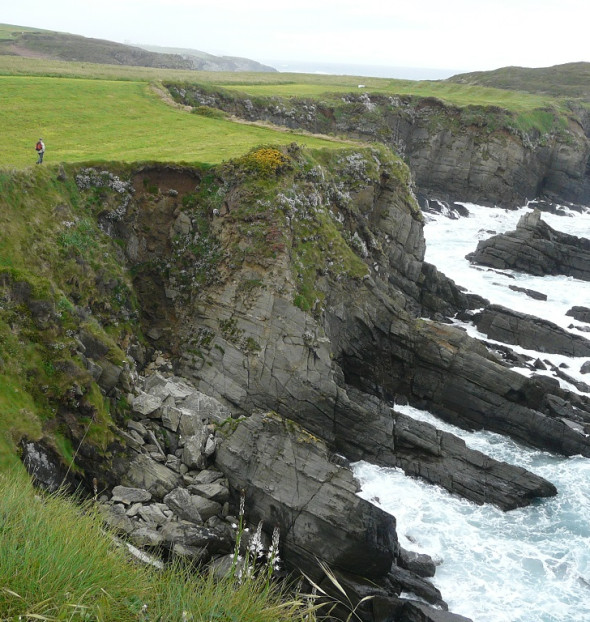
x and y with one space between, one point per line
101 120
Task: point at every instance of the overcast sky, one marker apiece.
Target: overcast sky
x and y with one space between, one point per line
458 35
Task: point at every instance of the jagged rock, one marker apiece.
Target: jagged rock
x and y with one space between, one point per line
46 468
441 458
193 452
146 404
207 507
290 481
109 376
171 417
94 348
531 293
190 535
196 555
585 369
404 580
137 427
146 537
205 408
502 324
192 423
582 314
153 514
128 496
116 518
208 476
214 491
181 502
143 472
535 248
581 386
418 563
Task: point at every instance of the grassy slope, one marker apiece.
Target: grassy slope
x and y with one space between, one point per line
568 80
50 245
58 563
288 84
101 120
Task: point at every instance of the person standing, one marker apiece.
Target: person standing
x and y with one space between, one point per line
40 148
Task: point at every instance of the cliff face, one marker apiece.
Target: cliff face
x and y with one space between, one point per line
303 296
472 154
283 281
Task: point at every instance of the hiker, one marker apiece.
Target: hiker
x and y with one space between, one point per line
40 148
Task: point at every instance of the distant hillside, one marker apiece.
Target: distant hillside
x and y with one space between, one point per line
46 44
208 62
569 80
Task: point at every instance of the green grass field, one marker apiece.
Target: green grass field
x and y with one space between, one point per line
84 120
291 84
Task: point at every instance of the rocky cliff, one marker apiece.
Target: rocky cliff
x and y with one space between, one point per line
474 153
288 288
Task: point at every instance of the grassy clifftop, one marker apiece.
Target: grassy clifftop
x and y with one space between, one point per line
102 120
570 80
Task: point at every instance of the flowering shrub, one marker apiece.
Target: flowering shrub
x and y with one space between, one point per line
265 161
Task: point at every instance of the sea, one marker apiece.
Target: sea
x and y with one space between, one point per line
527 565
373 71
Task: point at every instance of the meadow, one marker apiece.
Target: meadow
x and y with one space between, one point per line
98 120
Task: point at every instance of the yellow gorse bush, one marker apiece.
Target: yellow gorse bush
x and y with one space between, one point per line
266 161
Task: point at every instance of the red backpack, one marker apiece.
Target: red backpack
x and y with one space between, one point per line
39 146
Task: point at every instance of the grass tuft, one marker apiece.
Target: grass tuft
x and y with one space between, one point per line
59 563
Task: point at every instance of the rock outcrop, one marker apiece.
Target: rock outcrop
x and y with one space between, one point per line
535 248
582 314
533 333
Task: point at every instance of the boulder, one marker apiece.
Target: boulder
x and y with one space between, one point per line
128 496
290 481
146 404
143 472
418 563
146 537
582 314
215 491
190 535
182 503
531 293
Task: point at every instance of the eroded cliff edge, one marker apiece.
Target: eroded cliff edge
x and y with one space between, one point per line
480 154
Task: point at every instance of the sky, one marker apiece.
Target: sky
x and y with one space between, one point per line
451 35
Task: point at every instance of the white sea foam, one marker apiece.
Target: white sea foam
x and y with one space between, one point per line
531 564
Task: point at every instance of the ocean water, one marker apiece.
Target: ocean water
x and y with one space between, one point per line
374 71
530 564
